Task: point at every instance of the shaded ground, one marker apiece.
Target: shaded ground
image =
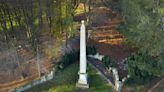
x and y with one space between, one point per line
159 86
18 66
145 87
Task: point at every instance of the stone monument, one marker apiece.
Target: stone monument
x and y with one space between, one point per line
82 81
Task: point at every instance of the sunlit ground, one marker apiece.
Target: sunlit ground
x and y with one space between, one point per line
80 9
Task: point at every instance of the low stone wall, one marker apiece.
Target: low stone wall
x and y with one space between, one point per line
34 82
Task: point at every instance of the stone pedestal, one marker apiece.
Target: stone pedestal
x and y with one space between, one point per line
82 82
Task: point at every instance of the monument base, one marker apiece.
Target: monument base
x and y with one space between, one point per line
82 86
82 82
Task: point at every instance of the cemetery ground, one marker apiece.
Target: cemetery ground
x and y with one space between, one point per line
65 81
107 40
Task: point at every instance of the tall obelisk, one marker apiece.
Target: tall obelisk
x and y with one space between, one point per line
82 82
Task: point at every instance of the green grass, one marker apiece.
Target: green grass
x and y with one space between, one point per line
65 81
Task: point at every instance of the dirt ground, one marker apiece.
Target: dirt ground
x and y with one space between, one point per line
19 66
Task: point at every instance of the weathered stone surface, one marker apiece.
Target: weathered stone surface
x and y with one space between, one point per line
82 82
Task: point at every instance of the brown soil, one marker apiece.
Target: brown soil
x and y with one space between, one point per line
13 75
107 39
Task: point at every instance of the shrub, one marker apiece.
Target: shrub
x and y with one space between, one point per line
107 61
68 59
73 56
91 50
142 67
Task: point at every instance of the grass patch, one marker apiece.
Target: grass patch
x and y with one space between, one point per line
65 81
